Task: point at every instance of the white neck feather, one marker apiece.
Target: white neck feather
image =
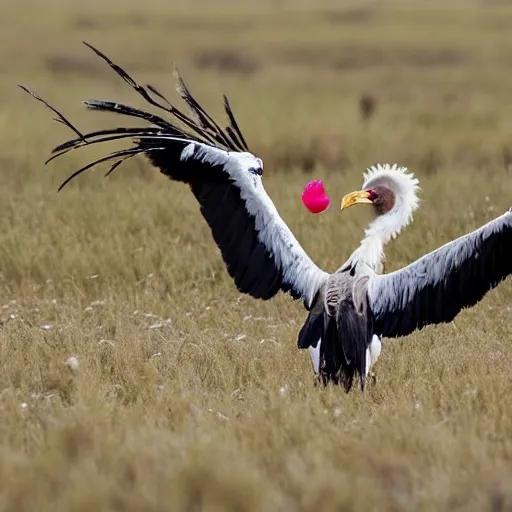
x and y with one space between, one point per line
377 235
387 226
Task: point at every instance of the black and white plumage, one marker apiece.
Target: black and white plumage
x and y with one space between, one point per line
351 309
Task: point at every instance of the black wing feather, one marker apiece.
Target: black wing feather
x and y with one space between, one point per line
211 171
247 260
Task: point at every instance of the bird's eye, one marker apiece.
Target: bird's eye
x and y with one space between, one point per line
372 195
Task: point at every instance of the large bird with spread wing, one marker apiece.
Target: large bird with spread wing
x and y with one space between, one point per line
351 309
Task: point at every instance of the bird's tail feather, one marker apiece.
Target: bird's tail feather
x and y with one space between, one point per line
343 348
353 337
180 129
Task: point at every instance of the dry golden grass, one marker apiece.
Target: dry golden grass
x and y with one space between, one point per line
189 396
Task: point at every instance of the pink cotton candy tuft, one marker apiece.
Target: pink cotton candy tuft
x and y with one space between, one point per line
315 198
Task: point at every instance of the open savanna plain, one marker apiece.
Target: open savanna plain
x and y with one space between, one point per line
133 375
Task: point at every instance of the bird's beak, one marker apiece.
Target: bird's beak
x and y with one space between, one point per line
359 197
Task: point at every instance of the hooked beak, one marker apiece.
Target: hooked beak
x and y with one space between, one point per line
359 197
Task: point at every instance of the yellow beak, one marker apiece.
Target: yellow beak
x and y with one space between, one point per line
359 197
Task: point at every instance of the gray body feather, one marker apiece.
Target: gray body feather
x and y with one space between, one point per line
339 319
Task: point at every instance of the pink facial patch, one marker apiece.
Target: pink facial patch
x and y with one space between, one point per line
315 198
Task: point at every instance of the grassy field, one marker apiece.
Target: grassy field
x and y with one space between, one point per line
134 376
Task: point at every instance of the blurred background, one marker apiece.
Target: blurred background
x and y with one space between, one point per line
315 84
129 363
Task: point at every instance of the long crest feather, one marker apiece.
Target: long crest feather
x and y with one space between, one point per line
116 154
234 124
201 127
77 143
60 117
144 93
129 132
202 117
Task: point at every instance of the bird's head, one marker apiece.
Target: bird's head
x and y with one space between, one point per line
389 189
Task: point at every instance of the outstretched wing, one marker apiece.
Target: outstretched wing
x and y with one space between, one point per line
435 288
259 250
